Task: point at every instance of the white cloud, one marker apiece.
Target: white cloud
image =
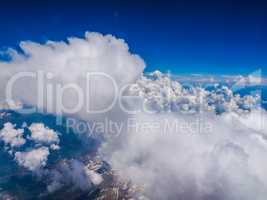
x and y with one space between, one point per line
162 94
42 134
11 136
33 159
68 63
225 161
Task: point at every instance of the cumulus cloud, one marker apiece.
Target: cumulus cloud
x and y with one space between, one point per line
67 63
11 136
160 93
181 159
42 134
33 159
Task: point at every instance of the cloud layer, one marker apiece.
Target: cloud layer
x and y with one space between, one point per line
227 160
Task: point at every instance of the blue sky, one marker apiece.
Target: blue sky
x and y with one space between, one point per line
185 37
